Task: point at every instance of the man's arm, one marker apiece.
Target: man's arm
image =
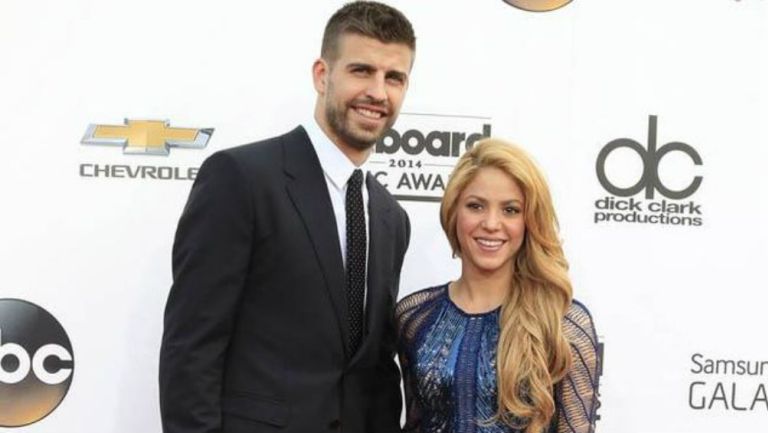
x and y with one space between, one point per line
211 255
388 403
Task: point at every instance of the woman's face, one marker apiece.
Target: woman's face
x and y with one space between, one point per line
489 222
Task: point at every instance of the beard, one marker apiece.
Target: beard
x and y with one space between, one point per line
353 135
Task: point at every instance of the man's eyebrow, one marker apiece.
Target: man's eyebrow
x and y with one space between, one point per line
360 65
368 67
397 74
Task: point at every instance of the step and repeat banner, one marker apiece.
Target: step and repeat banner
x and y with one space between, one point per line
650 119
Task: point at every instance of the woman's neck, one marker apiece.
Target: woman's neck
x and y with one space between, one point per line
478 293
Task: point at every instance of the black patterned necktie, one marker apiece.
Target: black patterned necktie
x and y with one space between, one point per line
356 250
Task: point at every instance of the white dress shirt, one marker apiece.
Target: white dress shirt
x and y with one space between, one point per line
337 169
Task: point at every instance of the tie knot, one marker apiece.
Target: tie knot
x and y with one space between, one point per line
356 180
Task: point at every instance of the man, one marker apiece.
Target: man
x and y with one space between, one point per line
286 268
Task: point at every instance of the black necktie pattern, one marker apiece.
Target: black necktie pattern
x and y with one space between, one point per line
356 249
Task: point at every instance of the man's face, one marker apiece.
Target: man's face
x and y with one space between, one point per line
362 90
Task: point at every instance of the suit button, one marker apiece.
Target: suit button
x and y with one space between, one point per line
334 425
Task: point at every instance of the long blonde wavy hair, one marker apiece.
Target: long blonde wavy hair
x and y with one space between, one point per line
533 354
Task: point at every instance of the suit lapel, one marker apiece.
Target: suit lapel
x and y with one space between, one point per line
309 193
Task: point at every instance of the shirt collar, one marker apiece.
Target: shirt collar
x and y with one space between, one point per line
337 167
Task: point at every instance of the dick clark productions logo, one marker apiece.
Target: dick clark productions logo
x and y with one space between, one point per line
36 363
674 208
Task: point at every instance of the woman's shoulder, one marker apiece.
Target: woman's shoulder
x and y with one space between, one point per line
578 312
419 298
412 311
579 325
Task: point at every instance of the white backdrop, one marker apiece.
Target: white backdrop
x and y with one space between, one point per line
95 251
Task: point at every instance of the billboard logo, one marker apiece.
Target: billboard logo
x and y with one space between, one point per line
36 363
538 5
650 156
623 207
435 143
146 137
414 161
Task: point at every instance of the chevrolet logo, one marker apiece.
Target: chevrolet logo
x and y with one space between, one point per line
146 137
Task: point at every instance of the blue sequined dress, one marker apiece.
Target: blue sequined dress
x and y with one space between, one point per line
448 359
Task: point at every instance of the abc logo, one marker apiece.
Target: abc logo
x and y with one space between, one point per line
36 363
538 5
650 156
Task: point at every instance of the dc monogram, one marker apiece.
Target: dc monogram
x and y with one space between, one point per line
651 156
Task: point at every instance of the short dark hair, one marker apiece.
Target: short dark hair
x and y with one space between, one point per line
367 18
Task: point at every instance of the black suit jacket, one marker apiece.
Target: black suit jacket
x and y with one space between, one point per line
256 319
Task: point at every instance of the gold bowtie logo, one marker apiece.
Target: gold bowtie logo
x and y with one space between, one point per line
538 5
147 137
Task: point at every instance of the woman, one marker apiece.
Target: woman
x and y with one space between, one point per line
504 348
